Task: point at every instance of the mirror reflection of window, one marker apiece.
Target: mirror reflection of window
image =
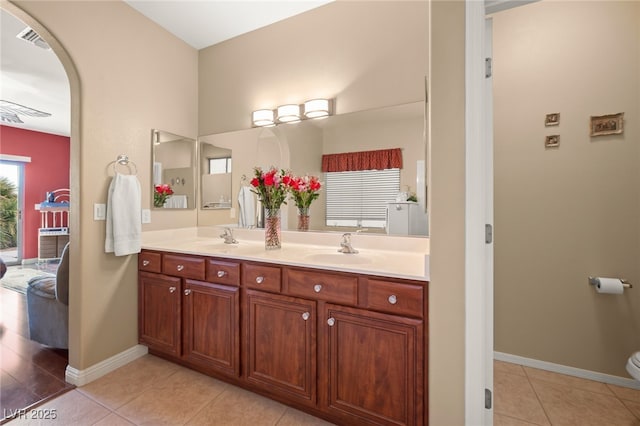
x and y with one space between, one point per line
359 198
219 165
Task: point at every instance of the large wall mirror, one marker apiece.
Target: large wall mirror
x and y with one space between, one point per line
174 165
299 147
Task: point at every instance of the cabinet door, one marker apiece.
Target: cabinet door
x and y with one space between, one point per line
211 331
373 367
281 345
159 312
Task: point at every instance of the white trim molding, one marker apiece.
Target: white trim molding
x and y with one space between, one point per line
15 158
88 375
569 371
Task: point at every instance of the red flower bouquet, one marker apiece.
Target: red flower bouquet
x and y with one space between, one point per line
160 194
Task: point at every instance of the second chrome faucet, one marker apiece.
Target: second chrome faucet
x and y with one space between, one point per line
345 245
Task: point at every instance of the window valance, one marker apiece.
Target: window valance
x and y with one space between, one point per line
363 160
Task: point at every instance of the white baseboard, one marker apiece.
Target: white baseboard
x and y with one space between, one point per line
88 375
569 371
30 261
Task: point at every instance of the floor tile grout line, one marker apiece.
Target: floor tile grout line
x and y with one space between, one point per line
206 404
535 392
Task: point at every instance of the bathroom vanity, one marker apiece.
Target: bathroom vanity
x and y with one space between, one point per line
330 339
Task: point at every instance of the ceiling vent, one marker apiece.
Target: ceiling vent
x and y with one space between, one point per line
29 35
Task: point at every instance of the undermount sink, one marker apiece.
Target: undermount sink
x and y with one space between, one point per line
221 247
339 258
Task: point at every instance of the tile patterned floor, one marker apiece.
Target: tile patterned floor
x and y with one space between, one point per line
527 396
152 391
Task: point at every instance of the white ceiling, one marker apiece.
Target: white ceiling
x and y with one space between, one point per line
35 78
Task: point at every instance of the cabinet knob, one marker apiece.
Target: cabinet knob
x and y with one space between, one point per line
145 263
187 292
393 299
180 267
259 280
172 289
221 274
317 288
306 316
331 322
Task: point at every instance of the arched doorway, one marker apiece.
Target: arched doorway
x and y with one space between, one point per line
74 181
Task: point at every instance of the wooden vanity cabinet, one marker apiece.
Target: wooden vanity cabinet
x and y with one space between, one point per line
211 326
188 319
280 345
373 367
160 312
348 347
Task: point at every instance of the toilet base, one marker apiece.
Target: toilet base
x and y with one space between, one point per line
633 366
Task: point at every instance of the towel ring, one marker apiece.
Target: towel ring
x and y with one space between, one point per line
124 160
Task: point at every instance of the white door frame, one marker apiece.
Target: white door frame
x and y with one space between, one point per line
478 213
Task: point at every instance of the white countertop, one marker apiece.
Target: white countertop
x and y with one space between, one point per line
390 256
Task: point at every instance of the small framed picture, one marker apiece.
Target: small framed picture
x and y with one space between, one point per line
552 119
552 141
611 124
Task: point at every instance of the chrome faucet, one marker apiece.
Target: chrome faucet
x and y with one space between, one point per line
345 245
228 236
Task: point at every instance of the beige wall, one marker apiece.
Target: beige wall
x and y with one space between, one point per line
120 98
447 222
566 213
363 54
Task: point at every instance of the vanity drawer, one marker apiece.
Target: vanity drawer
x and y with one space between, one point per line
393 297
183 266
220 272
149 261
335 288
261 277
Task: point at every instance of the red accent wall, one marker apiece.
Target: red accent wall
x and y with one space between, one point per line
48 170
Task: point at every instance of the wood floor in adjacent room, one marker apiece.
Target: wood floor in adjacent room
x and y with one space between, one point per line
31 372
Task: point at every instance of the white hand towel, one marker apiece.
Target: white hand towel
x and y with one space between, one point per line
246 201
176 202
124 221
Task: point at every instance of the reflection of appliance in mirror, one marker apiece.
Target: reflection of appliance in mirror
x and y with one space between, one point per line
406 218
216 166
173 165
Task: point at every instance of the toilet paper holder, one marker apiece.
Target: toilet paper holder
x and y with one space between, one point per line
625 283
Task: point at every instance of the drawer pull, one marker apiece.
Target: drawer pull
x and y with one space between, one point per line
317 288
145 262
393 299
259 280
306 316
331 322
221 274
187 292
172 289
180 267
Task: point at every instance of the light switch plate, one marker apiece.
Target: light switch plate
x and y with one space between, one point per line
146 216
99 211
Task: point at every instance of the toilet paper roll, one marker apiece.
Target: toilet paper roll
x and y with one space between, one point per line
609 285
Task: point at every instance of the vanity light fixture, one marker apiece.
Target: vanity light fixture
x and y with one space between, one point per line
262 118
289 113
316 108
